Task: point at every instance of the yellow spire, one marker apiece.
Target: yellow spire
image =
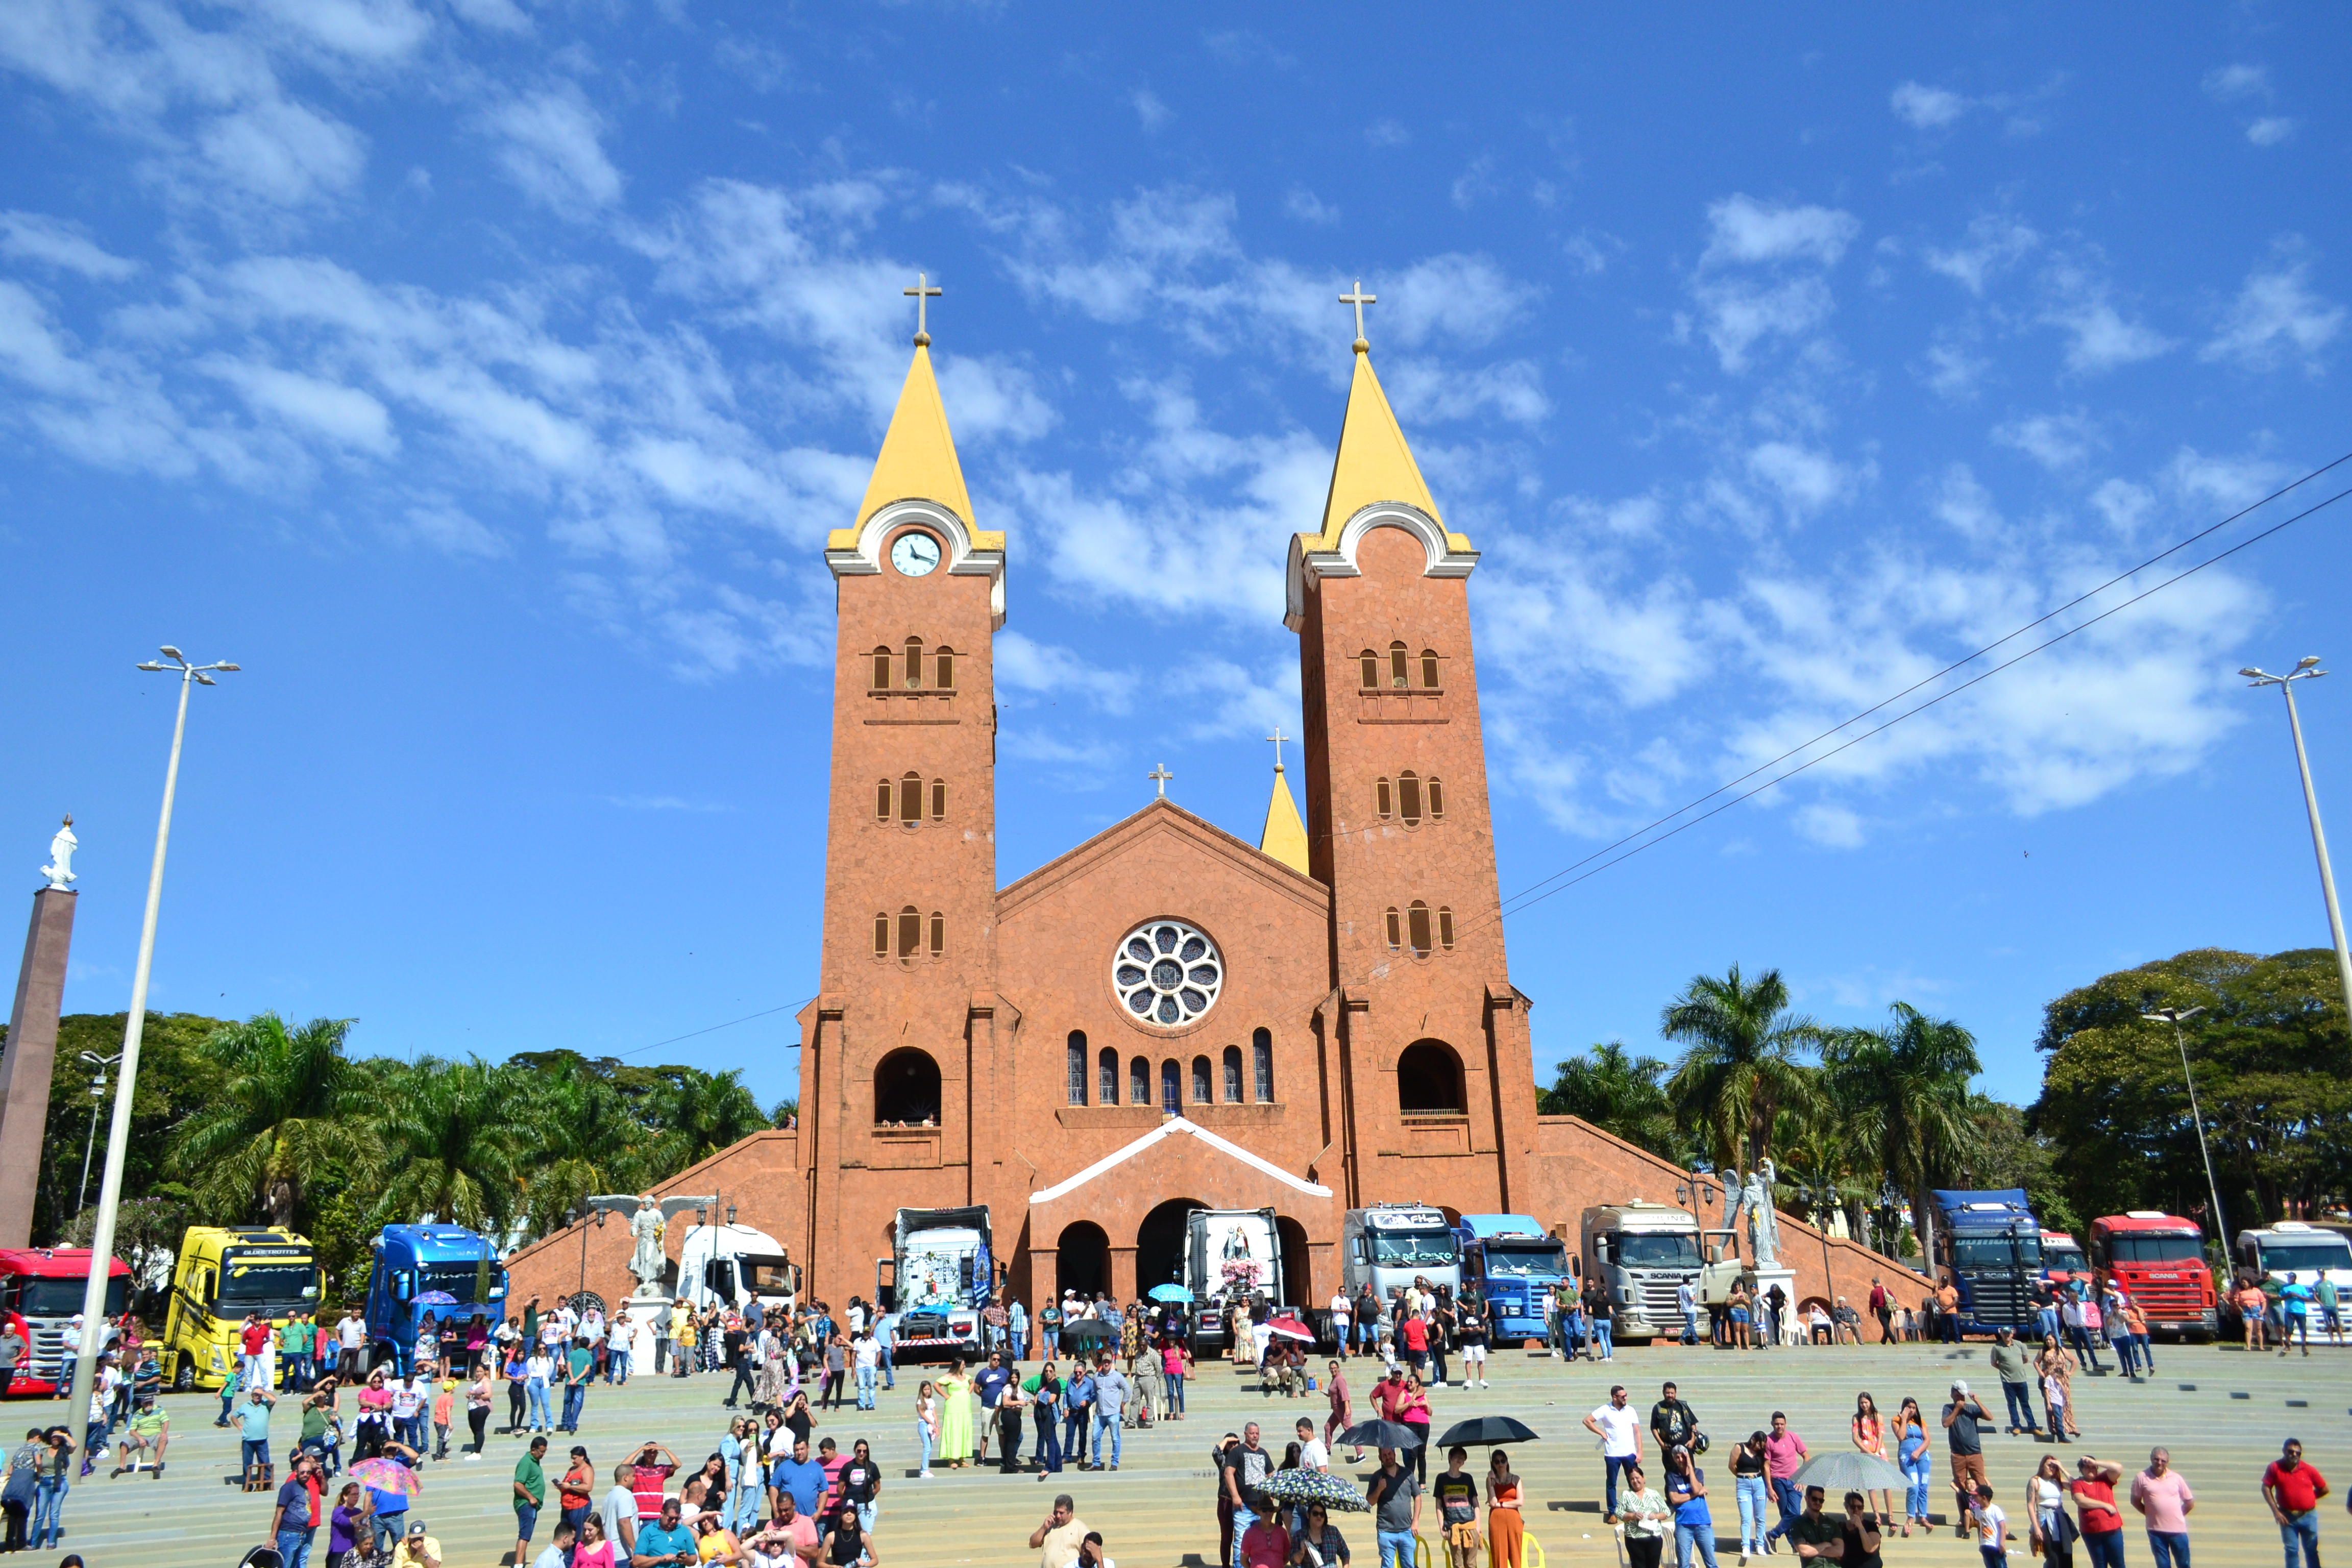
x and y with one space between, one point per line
1373 463
918 456
1284 839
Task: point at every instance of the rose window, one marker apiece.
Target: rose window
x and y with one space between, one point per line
1167 973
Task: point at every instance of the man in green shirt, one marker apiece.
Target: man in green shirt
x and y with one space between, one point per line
150 1429
529 1495
579 1366
297 1344
1811 1531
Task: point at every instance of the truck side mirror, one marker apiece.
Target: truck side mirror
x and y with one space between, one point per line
404 1285
1714 1253
1575 1269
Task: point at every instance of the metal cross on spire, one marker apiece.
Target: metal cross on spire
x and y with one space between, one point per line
1360 299
923 294
1277 738
1160 776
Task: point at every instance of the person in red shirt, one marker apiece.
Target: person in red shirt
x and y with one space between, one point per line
255 1338
2293 1490
1266 1544
2095 1501
1415 1333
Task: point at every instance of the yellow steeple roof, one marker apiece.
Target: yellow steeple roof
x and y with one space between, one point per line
918 461
1373 463
1284 839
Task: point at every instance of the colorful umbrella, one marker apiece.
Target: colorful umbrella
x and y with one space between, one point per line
1171 1292
437 1298
387 1475
1291 1329
1315 1485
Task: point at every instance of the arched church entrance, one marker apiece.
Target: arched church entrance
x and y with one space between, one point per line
1082 1260
1159 1244
1298 1263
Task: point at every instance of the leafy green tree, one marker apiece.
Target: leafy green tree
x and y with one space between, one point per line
1901 1092
2009 1154
1740 1064
454 1143
585 1138
2272 1061
1617 1092
291 1107
701 1113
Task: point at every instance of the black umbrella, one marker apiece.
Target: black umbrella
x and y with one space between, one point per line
1381 1434
1085 1329
1485 1431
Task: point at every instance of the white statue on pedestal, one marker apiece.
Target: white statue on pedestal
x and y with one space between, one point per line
648 1219
59 870
1763 1221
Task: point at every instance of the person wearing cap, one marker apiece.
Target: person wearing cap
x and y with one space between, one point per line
1965 1443
292 1524
418 1548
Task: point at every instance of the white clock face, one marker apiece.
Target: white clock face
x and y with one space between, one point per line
915 555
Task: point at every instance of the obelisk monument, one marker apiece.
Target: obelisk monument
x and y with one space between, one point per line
32 1047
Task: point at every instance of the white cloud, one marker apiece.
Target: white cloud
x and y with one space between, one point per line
284 153
1832 826
2270 129
1465 299
1927 108
1022 664
1953 368
1148 108
1387 133
35 237
1995 242
2231 83
1745 230
1806 481
2276 320
1433 391
343 415
449 530
1739 315
549 143
1475 183
2059 442
2102 338
1965 506
1308 207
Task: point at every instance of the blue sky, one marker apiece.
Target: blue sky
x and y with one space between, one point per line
484 376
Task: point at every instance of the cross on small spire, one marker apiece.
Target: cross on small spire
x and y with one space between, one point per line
923 294
1160 776
1277 738
1360 299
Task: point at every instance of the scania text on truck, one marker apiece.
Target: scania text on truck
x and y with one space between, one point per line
739 1267
1643 1254
1512 1265
224 1273
2158 1260
1389 1246
941 1272
41 1288
2291 1246
413 1262
1231 1257
1992 1244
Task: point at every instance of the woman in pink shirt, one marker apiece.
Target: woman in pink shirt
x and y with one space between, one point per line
1172 1368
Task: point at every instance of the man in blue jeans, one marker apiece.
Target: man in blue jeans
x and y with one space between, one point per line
253 1426
1246 1469
579 1366
1111 1392
1619 1427
1395 1497
291 1524
1784 1451
2292 1490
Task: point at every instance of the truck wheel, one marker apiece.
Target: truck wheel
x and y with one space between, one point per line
184 1374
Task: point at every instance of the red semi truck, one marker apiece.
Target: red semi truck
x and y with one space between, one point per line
2159 1261
41 1288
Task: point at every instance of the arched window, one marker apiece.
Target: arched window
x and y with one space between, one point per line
1381 800
1436 793
1203 1090
1396 930
907 1089
914 663
1233 1075
882 797
882 935
939 800
1408 798
938 934
910 800
882 669
1077 1067
1416 924
1138 1081
1367 660
1398 660
1261 1059
910 931
1428 667
1429 1079
1172 1086
944 662
1445 928
1110 1076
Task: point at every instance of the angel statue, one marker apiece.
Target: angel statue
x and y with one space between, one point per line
1762 1219
648 1217
59 870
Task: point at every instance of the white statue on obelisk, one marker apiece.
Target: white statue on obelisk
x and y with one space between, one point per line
59 870
648 1217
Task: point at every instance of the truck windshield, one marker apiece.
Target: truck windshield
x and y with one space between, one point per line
2301 1257
61 1298
1524 1259
1996 1251
470 1283
278 1280
2069 1259
2140 1249
1657 1249
1405 1249
767 1276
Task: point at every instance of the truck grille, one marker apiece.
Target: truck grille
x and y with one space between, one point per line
1656 1298
2169 1303
1999 1300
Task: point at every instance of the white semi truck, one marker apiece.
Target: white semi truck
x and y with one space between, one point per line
941 1273
739 1266
1643 1254
1230 1256
1389 1246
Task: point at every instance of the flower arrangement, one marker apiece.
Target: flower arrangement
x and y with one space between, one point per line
1240 1274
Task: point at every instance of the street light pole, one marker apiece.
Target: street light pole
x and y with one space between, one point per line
2173 1016
2308 669
97 1099
117 1135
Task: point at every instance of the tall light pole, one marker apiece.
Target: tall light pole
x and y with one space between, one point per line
2173 1016
2307 668
96 1097
117 1133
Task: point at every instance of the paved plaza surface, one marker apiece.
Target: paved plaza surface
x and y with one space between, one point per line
1157 1511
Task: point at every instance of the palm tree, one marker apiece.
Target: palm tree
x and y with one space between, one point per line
582 1138
700 1113
1619 1094
1740 1067
1903 1092
292 1108
454 1136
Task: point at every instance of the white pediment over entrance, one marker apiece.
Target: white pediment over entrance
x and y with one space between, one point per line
1176 1126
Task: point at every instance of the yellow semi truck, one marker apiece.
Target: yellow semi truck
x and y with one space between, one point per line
224 1274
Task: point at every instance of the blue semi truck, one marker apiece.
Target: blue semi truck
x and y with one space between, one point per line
1513 1265
1991 1244
415 1262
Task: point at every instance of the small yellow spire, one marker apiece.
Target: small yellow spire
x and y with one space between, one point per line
918 461
1284 839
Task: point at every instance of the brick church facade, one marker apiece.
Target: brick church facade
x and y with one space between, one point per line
1166 1016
